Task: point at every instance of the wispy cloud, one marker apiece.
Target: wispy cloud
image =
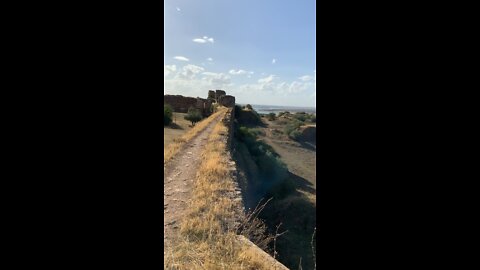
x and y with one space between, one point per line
265 80
189 71
209 59
237 72
181 58
216 79
167 69
205 39
306 78
274 61
178 9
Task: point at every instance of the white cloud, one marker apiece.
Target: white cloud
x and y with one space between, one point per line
298 87
191 80
205 39
167 69
216 79
178 9
306 78
189 72
207 73
209 59
265 80
274 61
238 72
269 84
181 58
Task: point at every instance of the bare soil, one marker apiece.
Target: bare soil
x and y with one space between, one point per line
179 127
179 175
300 158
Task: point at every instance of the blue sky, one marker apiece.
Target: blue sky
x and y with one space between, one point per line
261 52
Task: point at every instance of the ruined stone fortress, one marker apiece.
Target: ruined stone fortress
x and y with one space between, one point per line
182 104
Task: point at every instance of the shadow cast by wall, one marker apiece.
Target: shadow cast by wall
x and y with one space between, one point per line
302 184
175 126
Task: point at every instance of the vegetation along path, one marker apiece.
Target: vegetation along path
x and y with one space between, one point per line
179 174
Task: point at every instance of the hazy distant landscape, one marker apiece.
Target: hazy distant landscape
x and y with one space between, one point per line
266 109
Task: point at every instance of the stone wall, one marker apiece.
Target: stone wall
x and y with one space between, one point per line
237 197
182 104
218 94
227 101
211 95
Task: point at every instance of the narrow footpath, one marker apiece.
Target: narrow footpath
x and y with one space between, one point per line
178 176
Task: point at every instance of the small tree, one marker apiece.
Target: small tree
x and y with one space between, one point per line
271 116
167 114
193 116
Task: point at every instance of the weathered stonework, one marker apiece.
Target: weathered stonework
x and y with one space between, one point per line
182 104
211 95
218 94
227 101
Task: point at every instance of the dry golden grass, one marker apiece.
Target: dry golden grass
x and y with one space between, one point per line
172 149
208 237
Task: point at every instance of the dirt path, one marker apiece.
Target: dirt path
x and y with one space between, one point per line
178 177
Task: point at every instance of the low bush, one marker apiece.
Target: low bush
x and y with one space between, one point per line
293 125
167 114
295 135
300 117
193 116
271 117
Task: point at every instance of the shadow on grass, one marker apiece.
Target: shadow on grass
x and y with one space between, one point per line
174 126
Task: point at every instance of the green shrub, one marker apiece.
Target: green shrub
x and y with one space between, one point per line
257 131
293 125
193 116
295 135
271 117
300 117
167 114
